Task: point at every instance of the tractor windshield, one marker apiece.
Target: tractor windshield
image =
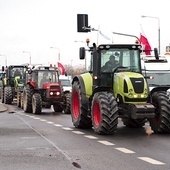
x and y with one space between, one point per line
47 77
112 58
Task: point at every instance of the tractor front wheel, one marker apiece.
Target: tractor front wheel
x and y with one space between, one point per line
161 122
36 103
27 100
57 108
79 108
8 96
134 123
67 103
104 112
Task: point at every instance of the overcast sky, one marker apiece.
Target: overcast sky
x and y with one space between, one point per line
36 25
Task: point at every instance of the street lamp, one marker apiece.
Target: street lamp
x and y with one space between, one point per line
159 46
5 59
84 46
29 55
58 52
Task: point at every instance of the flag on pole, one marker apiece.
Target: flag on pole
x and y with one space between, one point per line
145 43
61 68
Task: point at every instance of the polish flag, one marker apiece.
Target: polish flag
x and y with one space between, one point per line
61 68
145 43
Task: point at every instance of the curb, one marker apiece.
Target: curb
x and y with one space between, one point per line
3 107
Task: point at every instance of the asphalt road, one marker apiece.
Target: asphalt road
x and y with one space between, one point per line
49 141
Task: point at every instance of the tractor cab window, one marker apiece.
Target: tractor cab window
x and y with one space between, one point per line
127 59
47 77
113 58
130 59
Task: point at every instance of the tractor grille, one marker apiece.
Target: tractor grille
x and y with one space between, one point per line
138 84
54 87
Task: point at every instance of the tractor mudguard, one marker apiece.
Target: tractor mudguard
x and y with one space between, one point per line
85 81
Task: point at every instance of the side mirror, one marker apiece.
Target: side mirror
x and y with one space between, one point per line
82 23
156 53
82 53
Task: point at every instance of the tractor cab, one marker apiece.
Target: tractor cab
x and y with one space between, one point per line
41 76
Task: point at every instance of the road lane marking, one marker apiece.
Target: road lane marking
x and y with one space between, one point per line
124 150
78 132
106 142
66 128
152 161
43 120
50 122
90 137
58 125
36 118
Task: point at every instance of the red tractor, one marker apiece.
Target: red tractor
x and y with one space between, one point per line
42 89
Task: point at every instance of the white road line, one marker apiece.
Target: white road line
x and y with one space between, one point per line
36 118
106 142
43 120
58 125
90 137
66 128
152 161
78 132
124 150
50 122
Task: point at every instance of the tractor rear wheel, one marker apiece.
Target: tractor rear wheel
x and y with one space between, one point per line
2 95
36 103
27 100
104 112
134 123
8 96
161 122
79 108
67 103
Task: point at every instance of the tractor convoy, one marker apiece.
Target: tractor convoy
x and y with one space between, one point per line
34 88
99 97
135 89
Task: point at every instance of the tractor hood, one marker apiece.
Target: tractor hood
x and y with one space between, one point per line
130 86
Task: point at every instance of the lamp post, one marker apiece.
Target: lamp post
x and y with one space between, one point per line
29 55
84 46
5 59
58 52
159 46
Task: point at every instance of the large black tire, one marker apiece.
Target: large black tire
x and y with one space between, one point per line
19 99
2 95
36 103
79 109
104 112
134 123
67 103
27 100
161 122
57 108
8 95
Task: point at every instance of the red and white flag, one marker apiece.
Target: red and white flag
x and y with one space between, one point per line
145 43
61 68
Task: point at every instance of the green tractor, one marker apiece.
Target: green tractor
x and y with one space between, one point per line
12 82
99 97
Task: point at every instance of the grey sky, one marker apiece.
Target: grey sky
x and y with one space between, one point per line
37 25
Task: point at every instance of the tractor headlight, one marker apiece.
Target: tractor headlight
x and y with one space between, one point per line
51 93
57 93
135 95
